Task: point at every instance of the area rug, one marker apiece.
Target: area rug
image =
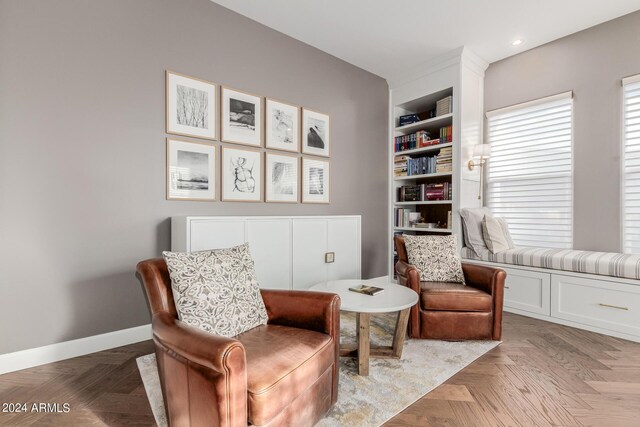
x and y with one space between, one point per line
392 384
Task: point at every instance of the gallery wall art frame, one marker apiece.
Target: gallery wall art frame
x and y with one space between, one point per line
282 126
191 170
281 178
316 133
240 117
316 180
191 106
241 174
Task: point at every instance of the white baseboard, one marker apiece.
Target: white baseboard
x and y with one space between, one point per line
24 359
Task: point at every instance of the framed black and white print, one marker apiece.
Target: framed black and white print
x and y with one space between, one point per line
315 181
191 171
316 135
281 178
191 106
241 117
241 175
282 126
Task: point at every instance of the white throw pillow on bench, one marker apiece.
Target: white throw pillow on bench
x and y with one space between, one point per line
496 234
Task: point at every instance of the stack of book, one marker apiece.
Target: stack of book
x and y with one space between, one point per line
444 106
424 192
400 166
446 134
437 191
444 160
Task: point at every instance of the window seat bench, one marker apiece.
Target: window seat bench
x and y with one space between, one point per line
596 291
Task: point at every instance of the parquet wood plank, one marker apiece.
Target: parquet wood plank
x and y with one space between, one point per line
451 392
542 374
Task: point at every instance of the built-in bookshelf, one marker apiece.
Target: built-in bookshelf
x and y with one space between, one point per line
423 164
435 121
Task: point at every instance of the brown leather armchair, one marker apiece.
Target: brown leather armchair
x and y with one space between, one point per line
452 311
282 373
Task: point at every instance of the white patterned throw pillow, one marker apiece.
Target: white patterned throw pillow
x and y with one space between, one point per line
436 257
217 290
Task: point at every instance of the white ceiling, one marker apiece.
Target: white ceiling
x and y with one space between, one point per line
384 36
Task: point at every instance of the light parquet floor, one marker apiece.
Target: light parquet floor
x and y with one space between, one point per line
542 374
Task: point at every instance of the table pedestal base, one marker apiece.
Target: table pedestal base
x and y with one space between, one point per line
363 351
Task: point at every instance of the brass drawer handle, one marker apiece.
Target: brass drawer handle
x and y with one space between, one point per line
613 306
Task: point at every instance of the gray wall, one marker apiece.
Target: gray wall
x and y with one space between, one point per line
591 63
82 149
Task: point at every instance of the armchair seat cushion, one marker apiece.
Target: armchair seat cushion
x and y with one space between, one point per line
448 296
283 362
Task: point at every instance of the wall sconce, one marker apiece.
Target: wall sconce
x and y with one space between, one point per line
483 152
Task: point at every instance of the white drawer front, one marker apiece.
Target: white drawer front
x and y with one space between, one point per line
528 291
608 305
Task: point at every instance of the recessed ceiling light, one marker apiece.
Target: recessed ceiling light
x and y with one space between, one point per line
516 42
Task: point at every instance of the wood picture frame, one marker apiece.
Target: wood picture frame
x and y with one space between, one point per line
316 180
190 106
316 133
281 178
191 170
282 126
240 117
241 174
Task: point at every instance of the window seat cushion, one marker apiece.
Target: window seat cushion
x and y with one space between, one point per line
603 263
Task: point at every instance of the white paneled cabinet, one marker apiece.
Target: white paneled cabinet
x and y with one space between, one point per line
289 252
600 303
528 291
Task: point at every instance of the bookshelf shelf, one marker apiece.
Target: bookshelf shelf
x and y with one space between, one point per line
426 202
423 149
425 124
426 230
427 175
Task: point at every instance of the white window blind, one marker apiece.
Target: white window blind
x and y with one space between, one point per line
530 170
631 174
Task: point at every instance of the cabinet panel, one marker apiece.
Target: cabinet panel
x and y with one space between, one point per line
528 291
219 234
344 240
600 303
309 247
270 244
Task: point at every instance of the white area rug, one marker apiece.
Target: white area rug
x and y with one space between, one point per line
391 386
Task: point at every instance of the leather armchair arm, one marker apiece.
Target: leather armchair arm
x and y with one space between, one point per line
408 275
211 351
487 279
315 311
203 376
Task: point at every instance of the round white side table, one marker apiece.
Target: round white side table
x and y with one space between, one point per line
394 298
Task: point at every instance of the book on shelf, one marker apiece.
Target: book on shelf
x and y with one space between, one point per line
423 165
408 119
424 192
446 134
401 217
367 290
419 139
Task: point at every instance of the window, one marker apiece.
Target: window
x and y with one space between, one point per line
631 164
529 172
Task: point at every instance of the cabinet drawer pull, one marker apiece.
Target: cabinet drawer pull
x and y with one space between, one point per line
506 287
613 306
